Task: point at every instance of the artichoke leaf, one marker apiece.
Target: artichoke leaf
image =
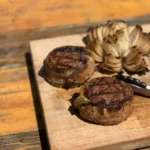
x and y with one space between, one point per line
138 66
81 100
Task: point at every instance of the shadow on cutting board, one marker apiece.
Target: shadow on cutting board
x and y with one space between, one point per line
37 104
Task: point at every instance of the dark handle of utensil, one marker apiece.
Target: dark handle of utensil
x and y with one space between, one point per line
130 80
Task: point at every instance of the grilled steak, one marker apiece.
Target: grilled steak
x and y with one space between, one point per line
68 66
105 101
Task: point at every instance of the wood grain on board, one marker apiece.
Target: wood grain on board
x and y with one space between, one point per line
16 99
21 38
22 141
16 71
67 131
22 21
21 120
31 14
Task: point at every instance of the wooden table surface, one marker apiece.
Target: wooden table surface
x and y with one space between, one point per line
21 121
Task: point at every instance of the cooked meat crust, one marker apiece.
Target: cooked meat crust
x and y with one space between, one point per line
105 101
68 66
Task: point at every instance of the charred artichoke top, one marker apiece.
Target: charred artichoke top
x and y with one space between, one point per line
115 47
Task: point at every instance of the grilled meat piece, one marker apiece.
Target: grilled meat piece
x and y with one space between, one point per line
105 101
68 66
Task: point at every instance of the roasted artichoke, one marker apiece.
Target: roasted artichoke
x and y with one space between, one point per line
114 47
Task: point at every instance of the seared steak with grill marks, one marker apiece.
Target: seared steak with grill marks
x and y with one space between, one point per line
105 101
68 66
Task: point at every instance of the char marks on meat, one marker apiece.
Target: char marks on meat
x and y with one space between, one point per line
105 101
68 66
107 92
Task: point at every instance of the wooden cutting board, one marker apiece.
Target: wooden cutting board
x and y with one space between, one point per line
68 132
